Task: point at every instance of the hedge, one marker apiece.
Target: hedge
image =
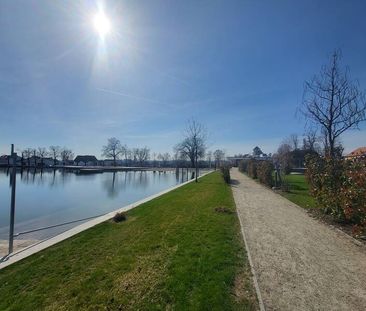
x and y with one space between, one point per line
264 172
225 171
252 169
339 186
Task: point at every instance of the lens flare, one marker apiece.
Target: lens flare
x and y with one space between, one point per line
102 24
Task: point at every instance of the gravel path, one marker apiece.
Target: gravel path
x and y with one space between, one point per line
300 263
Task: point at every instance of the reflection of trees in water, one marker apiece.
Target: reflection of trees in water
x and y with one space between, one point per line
110 185
64 177
142 181
115 182
184 174
36 176
28 176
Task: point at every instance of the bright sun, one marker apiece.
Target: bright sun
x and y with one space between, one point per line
102 24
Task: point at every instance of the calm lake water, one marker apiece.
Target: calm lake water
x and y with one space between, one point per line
52 197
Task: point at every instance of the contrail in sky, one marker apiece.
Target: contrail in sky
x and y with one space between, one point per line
130 96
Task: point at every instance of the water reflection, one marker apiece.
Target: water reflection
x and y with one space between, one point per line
48 197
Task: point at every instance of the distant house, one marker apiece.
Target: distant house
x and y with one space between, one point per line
235 160
359 153
34 161
4 159
47 161
8 160
86 160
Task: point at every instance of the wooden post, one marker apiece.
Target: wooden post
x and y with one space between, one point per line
12 204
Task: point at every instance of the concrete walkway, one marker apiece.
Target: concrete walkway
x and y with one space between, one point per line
300 263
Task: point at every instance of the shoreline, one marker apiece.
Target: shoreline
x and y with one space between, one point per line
43 244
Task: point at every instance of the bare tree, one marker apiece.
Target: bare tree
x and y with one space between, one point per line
124 152
310 141
179 159
154 159
164 158
284 158
193 145
54 152
209 158
143 154
42 152
294 141
113 149
27 154
22 157
219 157
66 155
333 102
34 154
134 155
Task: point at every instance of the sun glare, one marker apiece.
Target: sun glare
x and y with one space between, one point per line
102 24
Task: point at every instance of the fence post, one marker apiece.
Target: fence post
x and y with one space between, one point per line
12 203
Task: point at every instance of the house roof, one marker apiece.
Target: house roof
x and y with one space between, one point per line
85 158
5 157
359 152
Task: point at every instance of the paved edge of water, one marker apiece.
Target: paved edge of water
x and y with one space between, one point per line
41 245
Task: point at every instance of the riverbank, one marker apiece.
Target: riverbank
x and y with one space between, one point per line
173 252
101 168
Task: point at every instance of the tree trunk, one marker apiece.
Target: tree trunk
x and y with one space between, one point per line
196 170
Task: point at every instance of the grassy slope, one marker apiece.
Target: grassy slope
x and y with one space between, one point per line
174 252
299 191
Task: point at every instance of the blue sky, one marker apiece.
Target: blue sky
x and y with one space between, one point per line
236 66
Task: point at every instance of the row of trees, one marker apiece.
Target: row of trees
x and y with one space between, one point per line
192 148
115 150
38 155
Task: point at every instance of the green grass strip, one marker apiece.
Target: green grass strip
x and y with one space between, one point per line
175 252
299 191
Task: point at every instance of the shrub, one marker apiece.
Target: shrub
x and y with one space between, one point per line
225 171
252 168
340 188
325 178
353 195
264 172
119 217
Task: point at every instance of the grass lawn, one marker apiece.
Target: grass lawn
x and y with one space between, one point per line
299 191
175 252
